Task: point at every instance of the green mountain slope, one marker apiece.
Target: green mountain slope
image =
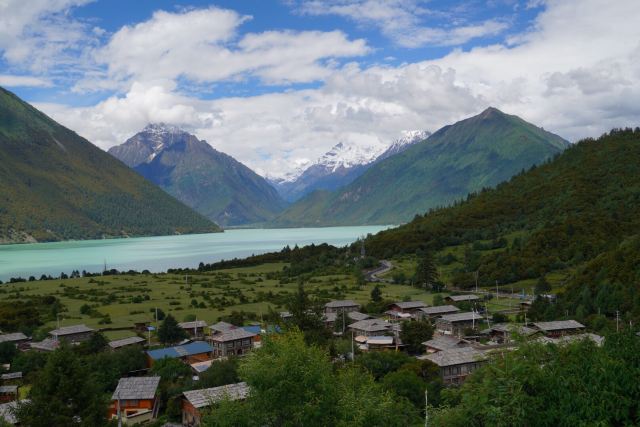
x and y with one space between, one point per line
56 185
472 154
213 183
577 214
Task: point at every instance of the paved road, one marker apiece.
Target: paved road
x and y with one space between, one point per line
372 275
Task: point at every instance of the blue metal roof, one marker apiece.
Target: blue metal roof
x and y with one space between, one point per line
254 329
196 347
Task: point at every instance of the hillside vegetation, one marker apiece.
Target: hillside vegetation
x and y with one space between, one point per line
56 185
475 153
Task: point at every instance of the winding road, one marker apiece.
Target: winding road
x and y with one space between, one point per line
372 275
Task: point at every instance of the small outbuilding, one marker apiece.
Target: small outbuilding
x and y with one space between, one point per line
135 399
559 328
72 334
194 402
126 342
341 306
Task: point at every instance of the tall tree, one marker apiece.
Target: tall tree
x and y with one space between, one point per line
64 393
376 294
426 276
169 331
307 316
413 334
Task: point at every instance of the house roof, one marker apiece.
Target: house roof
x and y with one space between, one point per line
254 329
511 327
11 376
125 341
404 305
566 339
341 303
201 366
17 336
207 396
222 327
70 330
457 356
371 325
233 334
356 315
47 344
458 298
398 314
444 342
196 347
558 325
6 389
136 388
194 324
461 317
440 309
380 340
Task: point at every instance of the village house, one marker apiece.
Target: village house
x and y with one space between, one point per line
135 399
370 327
456 364
11 378
378 343
352 316
72 334
197 351
221 327
16 338
444 342
457 323
234 342
503 333
407 306
8 393
462 298
126 342
46 345
559 328
435 312
341 306
194 329
194 402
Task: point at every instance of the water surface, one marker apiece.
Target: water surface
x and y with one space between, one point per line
157 254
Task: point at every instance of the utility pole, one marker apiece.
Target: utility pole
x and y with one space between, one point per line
497 291
426 407
477 272
617 321
353 354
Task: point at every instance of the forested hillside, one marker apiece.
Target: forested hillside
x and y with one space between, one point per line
578 212
478 152
55 185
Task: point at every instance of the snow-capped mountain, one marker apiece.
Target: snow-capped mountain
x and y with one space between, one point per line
144 146
340 166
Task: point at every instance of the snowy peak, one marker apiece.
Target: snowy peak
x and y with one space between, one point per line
407 138
348 156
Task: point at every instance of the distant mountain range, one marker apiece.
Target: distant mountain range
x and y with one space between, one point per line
340 166
213 183
56 185
475 153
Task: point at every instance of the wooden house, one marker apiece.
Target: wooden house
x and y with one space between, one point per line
444 342
457 323
371 327
8 393
17 338
456 364
135 400
126 342
559 328
221 327
407 306
234 342
435 312
197 351
503 333
11 378
341 306
195 329
194 402
462 298
72 334
45 346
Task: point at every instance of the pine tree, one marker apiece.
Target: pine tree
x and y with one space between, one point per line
169 332
376 294
426 272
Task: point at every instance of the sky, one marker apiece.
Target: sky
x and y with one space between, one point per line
276 83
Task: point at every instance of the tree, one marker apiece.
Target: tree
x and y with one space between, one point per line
405 384
220 373
341 322
8 351
426 272
169 331
170 369
380 363
376 294
307 316
542 286
414 333
64 394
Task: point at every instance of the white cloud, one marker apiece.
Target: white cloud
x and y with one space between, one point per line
576 72
23 81
403 21
202 46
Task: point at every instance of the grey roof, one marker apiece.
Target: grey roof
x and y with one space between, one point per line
458 298
558 325
371 325
444 342
461 317
194 324
207 396
136 388
341 303
47 344
9 389
410 304
17 336
566 339
222 327
356 315
330 317
8 410
456 356
285 314
11 376
439 309
511 327
233 334
125 341
70 330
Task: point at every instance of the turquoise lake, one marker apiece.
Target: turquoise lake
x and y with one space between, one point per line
157 254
